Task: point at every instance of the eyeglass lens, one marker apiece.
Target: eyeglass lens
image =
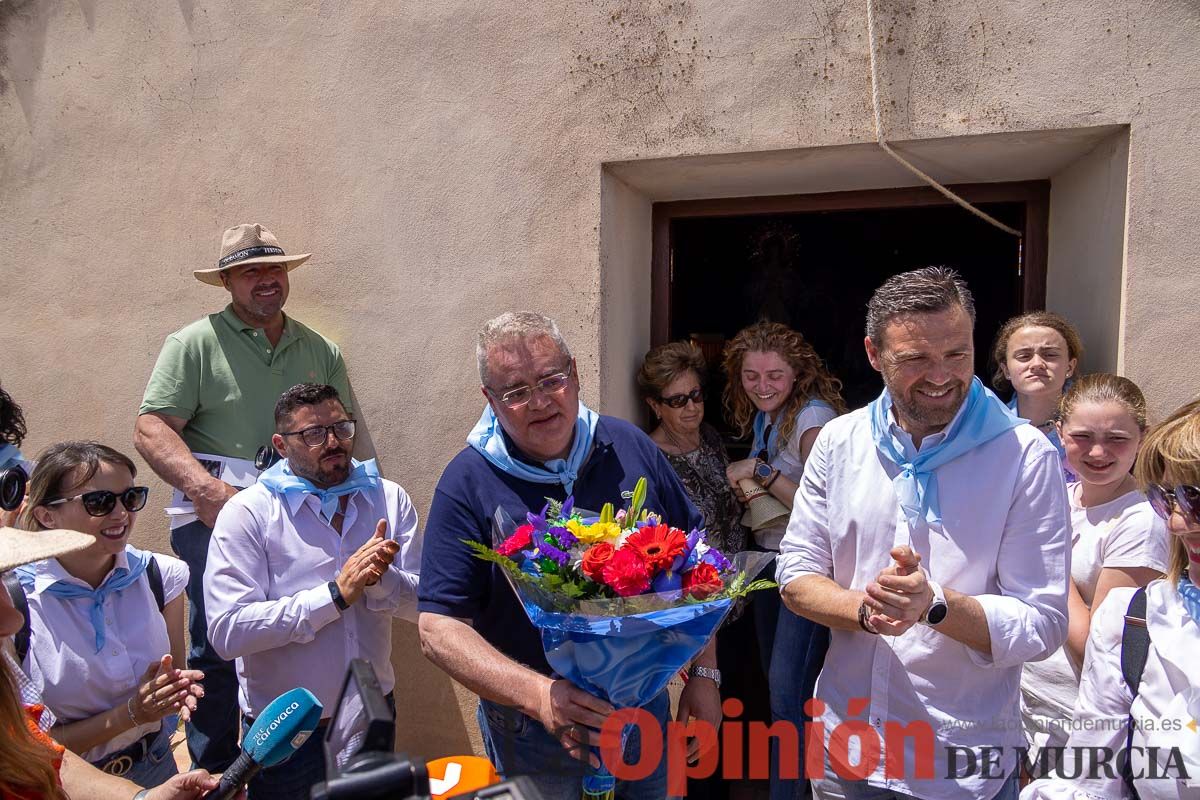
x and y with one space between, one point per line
101 503
343 431
680 400
1164 500
551 384
764 454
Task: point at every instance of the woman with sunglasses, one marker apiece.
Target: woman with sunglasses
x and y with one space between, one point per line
1149 638
1117 540
779 389
101 653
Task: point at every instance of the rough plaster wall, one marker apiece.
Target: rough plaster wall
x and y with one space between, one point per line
442 161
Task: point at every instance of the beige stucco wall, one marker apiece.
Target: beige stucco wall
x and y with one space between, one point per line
444 162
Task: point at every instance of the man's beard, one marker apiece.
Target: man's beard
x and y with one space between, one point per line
910 406
322 475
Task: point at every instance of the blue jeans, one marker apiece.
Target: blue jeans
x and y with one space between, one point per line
212 733
516 744
792 650
158 765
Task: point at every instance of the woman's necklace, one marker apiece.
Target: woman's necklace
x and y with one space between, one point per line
676 444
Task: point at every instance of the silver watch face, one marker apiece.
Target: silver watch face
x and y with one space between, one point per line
937 613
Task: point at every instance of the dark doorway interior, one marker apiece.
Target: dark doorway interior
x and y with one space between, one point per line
815 270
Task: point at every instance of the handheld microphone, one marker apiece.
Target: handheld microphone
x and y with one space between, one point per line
282 727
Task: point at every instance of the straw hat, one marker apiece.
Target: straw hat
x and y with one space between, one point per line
248 243
762 509
19 547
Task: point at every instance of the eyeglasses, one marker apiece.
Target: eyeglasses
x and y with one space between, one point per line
317 434
680 400
551 384
1183 498
101 503
764 454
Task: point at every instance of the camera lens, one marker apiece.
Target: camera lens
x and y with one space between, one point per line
12 488
265 458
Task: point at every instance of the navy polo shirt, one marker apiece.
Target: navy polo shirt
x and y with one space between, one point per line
457 584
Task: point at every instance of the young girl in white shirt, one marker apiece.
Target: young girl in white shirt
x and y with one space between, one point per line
1166 704
101 652
779 389
1117 539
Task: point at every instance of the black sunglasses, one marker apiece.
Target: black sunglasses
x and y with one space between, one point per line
101 503
680 400
1164 500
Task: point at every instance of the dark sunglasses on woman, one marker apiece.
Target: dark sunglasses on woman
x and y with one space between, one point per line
100 503
1184 498
680 400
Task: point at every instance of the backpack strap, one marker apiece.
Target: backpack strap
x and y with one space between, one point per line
1135 649
16 591
154 575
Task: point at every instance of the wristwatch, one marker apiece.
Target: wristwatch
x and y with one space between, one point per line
763 472
713 675
338 600
936 612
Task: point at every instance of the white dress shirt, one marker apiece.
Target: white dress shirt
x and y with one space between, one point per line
267 598
1168 701
1124 532
72 678
1003 539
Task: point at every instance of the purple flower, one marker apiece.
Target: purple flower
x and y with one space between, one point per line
563 536
547 550
567 506
538 521
716 559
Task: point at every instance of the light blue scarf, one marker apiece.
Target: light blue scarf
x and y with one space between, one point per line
10 456
760 428
1190 595
487 438
282 481
119 579
983 418
1051 433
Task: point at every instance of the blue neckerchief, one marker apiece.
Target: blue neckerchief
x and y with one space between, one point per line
120 578
760 427
1190 594
1051 434
282 481
488 439
982 418
10 456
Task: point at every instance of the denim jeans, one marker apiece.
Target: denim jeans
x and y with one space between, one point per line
212 733
158 765
792 650
517 744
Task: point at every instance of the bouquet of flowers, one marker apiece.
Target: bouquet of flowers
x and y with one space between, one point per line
622 599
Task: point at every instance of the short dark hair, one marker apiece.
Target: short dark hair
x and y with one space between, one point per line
12 421
303 394
921 291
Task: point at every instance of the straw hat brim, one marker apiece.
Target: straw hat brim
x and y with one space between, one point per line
762 509
213 276
19 547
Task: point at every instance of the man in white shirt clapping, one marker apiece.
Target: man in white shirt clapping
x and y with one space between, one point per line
930 532
305 569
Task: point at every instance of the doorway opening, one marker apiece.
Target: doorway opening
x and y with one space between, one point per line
812 262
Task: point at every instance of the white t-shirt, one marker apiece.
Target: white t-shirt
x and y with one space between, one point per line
789 462
1124 532
73 679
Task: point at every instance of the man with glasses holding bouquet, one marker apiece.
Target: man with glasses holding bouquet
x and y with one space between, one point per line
305 569
206 412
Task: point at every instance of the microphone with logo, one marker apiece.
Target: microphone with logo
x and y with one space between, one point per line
282 727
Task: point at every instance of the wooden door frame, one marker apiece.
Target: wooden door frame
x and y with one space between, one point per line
1034 194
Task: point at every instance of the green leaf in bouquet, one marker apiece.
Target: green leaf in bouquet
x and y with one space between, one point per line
638 499
555 508
486 553
606 513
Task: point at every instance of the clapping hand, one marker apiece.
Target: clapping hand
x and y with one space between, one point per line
900 594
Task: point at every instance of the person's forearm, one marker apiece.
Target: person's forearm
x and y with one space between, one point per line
246 628
818 598
708 656
784 489
81 779
458 649
84 734
1079 624
965 622
168 455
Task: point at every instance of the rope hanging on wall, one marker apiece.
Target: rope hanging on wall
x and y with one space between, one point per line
903 161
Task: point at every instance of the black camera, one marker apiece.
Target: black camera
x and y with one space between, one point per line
266 457
371 769
13 482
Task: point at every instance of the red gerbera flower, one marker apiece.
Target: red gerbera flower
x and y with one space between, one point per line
702 581
626 573
658 545
517 542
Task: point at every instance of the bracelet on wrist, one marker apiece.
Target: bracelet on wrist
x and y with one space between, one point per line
772 479
132 717
863 619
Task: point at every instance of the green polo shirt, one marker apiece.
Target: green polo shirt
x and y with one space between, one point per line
223 376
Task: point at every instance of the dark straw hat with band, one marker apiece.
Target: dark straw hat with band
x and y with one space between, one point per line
249 243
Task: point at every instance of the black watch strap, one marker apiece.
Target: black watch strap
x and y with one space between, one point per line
338 600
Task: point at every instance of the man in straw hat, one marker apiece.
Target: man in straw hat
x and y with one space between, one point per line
21 741
207 409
